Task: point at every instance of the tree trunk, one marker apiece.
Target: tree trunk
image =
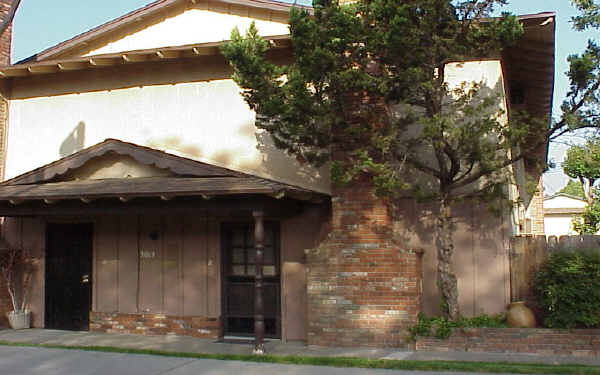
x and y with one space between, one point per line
447 281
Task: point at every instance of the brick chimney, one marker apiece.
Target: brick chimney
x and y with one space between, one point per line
6 37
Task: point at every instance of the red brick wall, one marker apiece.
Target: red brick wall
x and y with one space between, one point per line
363 289
5 39
155 324
580 342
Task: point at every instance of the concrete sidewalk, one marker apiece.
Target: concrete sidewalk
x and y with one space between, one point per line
207 346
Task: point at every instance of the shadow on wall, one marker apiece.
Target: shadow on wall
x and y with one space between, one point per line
304 171
175 144
74 142
480 257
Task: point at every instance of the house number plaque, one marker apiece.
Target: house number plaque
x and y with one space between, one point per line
144 254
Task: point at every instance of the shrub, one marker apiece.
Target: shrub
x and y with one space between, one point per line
441 327
567 289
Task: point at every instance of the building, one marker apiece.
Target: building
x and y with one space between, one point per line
134 172
559 212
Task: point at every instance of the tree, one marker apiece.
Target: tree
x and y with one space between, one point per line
583 164
366 90
573 188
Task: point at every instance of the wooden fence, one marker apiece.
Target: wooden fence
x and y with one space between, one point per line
528 252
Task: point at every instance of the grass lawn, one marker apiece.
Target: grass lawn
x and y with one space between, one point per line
485 367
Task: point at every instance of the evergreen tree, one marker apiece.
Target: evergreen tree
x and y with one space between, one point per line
366 90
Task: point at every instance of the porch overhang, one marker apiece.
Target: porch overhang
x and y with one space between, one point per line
165 188
185 185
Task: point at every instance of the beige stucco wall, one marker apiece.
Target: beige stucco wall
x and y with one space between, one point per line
206 121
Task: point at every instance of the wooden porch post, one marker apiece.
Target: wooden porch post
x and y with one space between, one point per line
259 318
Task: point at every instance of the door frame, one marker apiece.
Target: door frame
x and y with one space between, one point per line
48 225
276 226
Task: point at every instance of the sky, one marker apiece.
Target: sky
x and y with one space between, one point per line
40 24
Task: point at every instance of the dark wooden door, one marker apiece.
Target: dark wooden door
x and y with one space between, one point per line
238 280
68 276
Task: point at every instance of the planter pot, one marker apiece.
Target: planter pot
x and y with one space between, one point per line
520 316
19 320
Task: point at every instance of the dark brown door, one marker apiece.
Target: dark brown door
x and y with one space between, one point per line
68 276
238 281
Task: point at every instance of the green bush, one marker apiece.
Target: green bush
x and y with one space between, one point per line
567 289
442 328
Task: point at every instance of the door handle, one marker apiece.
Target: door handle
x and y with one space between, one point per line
85 279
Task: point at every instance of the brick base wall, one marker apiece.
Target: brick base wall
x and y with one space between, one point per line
580 342
155 324
363 289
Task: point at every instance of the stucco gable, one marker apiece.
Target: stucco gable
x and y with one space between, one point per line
173 23
138 161
191 27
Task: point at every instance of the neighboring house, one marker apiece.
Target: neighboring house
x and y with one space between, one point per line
134 172
559 212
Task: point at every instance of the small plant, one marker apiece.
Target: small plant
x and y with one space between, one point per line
442 327
16 266
567 289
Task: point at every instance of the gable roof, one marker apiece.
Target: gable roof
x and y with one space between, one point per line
193 178
150 14
178 165
565 195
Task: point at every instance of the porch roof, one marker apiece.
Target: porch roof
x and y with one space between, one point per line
188 178
163 187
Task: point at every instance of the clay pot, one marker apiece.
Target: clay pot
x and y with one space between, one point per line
520 316
19 320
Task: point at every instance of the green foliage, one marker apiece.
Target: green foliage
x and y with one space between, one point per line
442 327
567 288
349 75
581 107
573 188
589 222
583 163
590 14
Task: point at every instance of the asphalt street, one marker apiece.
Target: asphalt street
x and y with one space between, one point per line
41 361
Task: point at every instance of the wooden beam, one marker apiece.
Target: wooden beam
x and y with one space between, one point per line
144 206
168 54
15 72
43 69
205 51
278 195
105 61
73 65
135 57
